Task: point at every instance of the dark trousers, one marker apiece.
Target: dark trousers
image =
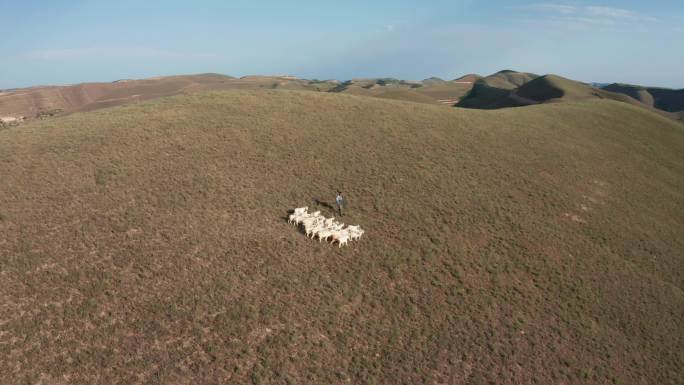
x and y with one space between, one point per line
339 209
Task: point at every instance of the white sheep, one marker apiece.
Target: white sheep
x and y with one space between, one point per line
355 232
324 234
311 225
342 240
312 228
317 225
292 218
341 236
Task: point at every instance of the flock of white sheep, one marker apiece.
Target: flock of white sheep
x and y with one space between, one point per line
316 225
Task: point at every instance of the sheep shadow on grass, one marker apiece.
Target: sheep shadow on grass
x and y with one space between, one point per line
324 204
286 219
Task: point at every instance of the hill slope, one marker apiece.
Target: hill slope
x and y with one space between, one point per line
556 88
430 91
41 102
540 89
147 243
34 101
61 100
496 90
661 98
508 80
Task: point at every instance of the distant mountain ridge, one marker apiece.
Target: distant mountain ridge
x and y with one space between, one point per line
502 89
45 101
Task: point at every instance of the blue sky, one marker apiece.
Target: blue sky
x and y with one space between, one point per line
60 42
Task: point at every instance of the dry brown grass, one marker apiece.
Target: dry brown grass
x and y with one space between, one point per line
146 244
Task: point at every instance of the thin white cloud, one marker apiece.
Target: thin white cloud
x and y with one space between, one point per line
606 22
616 13
578 16
389 28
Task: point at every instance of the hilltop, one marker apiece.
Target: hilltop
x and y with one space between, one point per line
470 78
148 243
508 79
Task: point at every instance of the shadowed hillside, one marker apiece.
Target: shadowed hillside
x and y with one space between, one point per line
494 91
148 243
661 98
556 88
483 96
546 89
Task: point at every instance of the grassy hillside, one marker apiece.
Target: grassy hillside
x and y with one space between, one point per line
508 80
495 91
545 89
39 101
470 78
445 91
661 98
483 96
554 88
429 91
147 243
637 92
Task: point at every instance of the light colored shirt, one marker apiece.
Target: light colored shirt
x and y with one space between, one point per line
339 200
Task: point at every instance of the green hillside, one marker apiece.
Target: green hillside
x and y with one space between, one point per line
148 243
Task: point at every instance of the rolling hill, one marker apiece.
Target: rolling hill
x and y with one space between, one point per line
470 78
494 91
661 98
52 100
42 102
500 90
39 102
430 91
508 80
148 243
553 88
501 93
483 96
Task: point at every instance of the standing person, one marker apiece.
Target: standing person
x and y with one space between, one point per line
340 202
